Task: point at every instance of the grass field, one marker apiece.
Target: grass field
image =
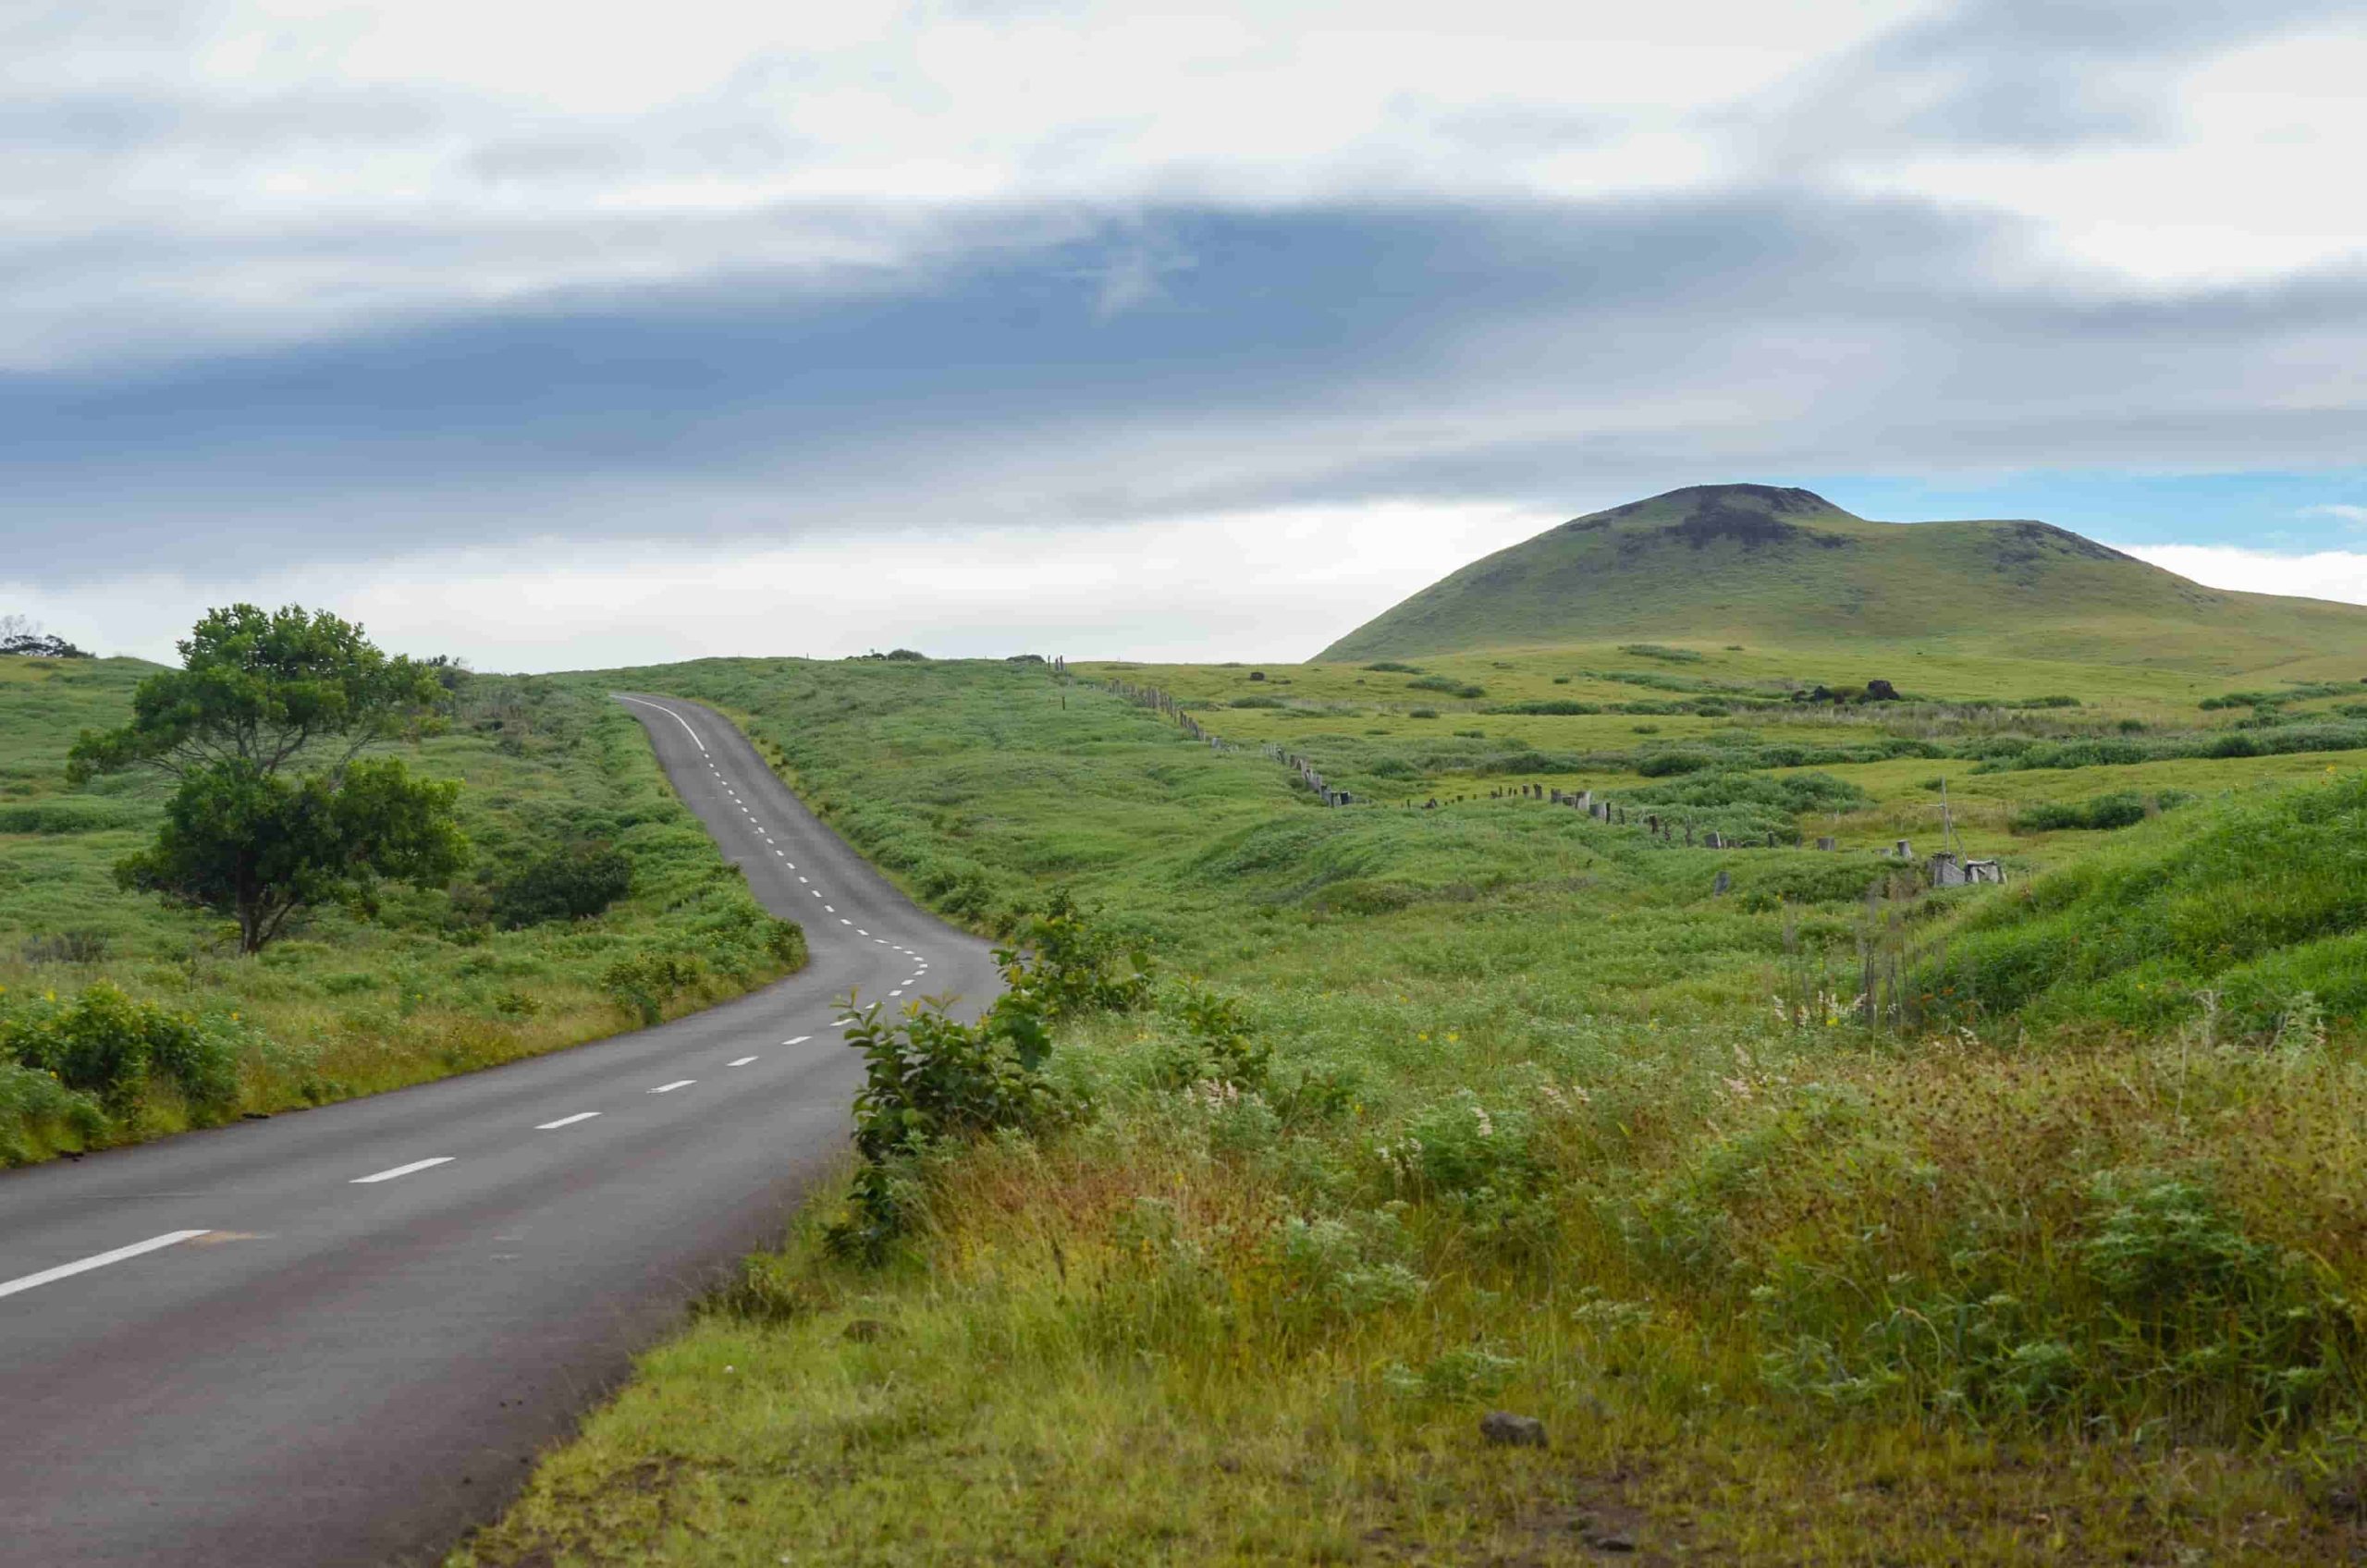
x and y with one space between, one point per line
350 1004
1551 1125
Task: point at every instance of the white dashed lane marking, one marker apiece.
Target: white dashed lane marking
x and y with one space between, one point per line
677 1083
402 1171
99 1260
797 1039
740 1062
565 1122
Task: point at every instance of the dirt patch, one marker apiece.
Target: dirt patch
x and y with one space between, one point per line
1716 519
2022 545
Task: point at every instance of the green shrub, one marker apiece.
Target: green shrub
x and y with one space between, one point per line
107 1044
1452 688
2122 808
644 984
928 1077
33 1105
1562 706
73 814
574 882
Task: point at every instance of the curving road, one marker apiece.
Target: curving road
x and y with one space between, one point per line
339 1336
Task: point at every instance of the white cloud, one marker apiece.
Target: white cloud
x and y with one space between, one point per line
2342 510
1277 584
2321 574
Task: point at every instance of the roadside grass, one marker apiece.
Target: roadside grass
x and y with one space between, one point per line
1549 1125
352 1004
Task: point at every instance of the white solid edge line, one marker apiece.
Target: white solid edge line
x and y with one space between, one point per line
100 1260
670 713
564 1121
401 1171
740 1062
677 1083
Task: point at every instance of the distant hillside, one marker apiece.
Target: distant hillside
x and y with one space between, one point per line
1755 563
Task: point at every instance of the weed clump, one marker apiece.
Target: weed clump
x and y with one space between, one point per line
931 1080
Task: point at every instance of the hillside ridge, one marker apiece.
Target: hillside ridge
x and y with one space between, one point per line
1779 564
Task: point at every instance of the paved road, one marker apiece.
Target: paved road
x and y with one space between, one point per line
353 1327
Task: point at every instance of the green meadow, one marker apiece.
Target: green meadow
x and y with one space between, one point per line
1820 1217
428 983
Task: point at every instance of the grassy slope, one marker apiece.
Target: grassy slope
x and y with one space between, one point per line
349 1006
2264 901
1550 1127
1732 563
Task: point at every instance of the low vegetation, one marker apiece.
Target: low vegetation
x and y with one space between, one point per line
1817 1215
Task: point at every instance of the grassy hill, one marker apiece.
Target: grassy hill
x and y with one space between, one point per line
1726 563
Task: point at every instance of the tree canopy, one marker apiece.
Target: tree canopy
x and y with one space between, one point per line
261 688
263 725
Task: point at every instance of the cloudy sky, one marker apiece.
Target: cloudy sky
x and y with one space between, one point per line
554 334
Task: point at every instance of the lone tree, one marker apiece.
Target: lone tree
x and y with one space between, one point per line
264 725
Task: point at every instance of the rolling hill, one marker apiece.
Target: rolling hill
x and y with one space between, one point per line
1754 562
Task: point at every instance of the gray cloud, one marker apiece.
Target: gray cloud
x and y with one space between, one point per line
2023 76
1539 357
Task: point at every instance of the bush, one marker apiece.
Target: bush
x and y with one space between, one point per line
1555 706
1666 764
108 1045
32 1102
66 947
575 882
928 1078
2122 808
1216 1044
644 984
1452 688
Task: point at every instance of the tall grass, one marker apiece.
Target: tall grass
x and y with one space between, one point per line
1539 1120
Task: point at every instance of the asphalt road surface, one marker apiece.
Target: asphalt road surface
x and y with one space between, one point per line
340 1336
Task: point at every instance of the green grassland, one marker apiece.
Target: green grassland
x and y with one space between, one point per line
2055 1251
353 1003
1745 563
